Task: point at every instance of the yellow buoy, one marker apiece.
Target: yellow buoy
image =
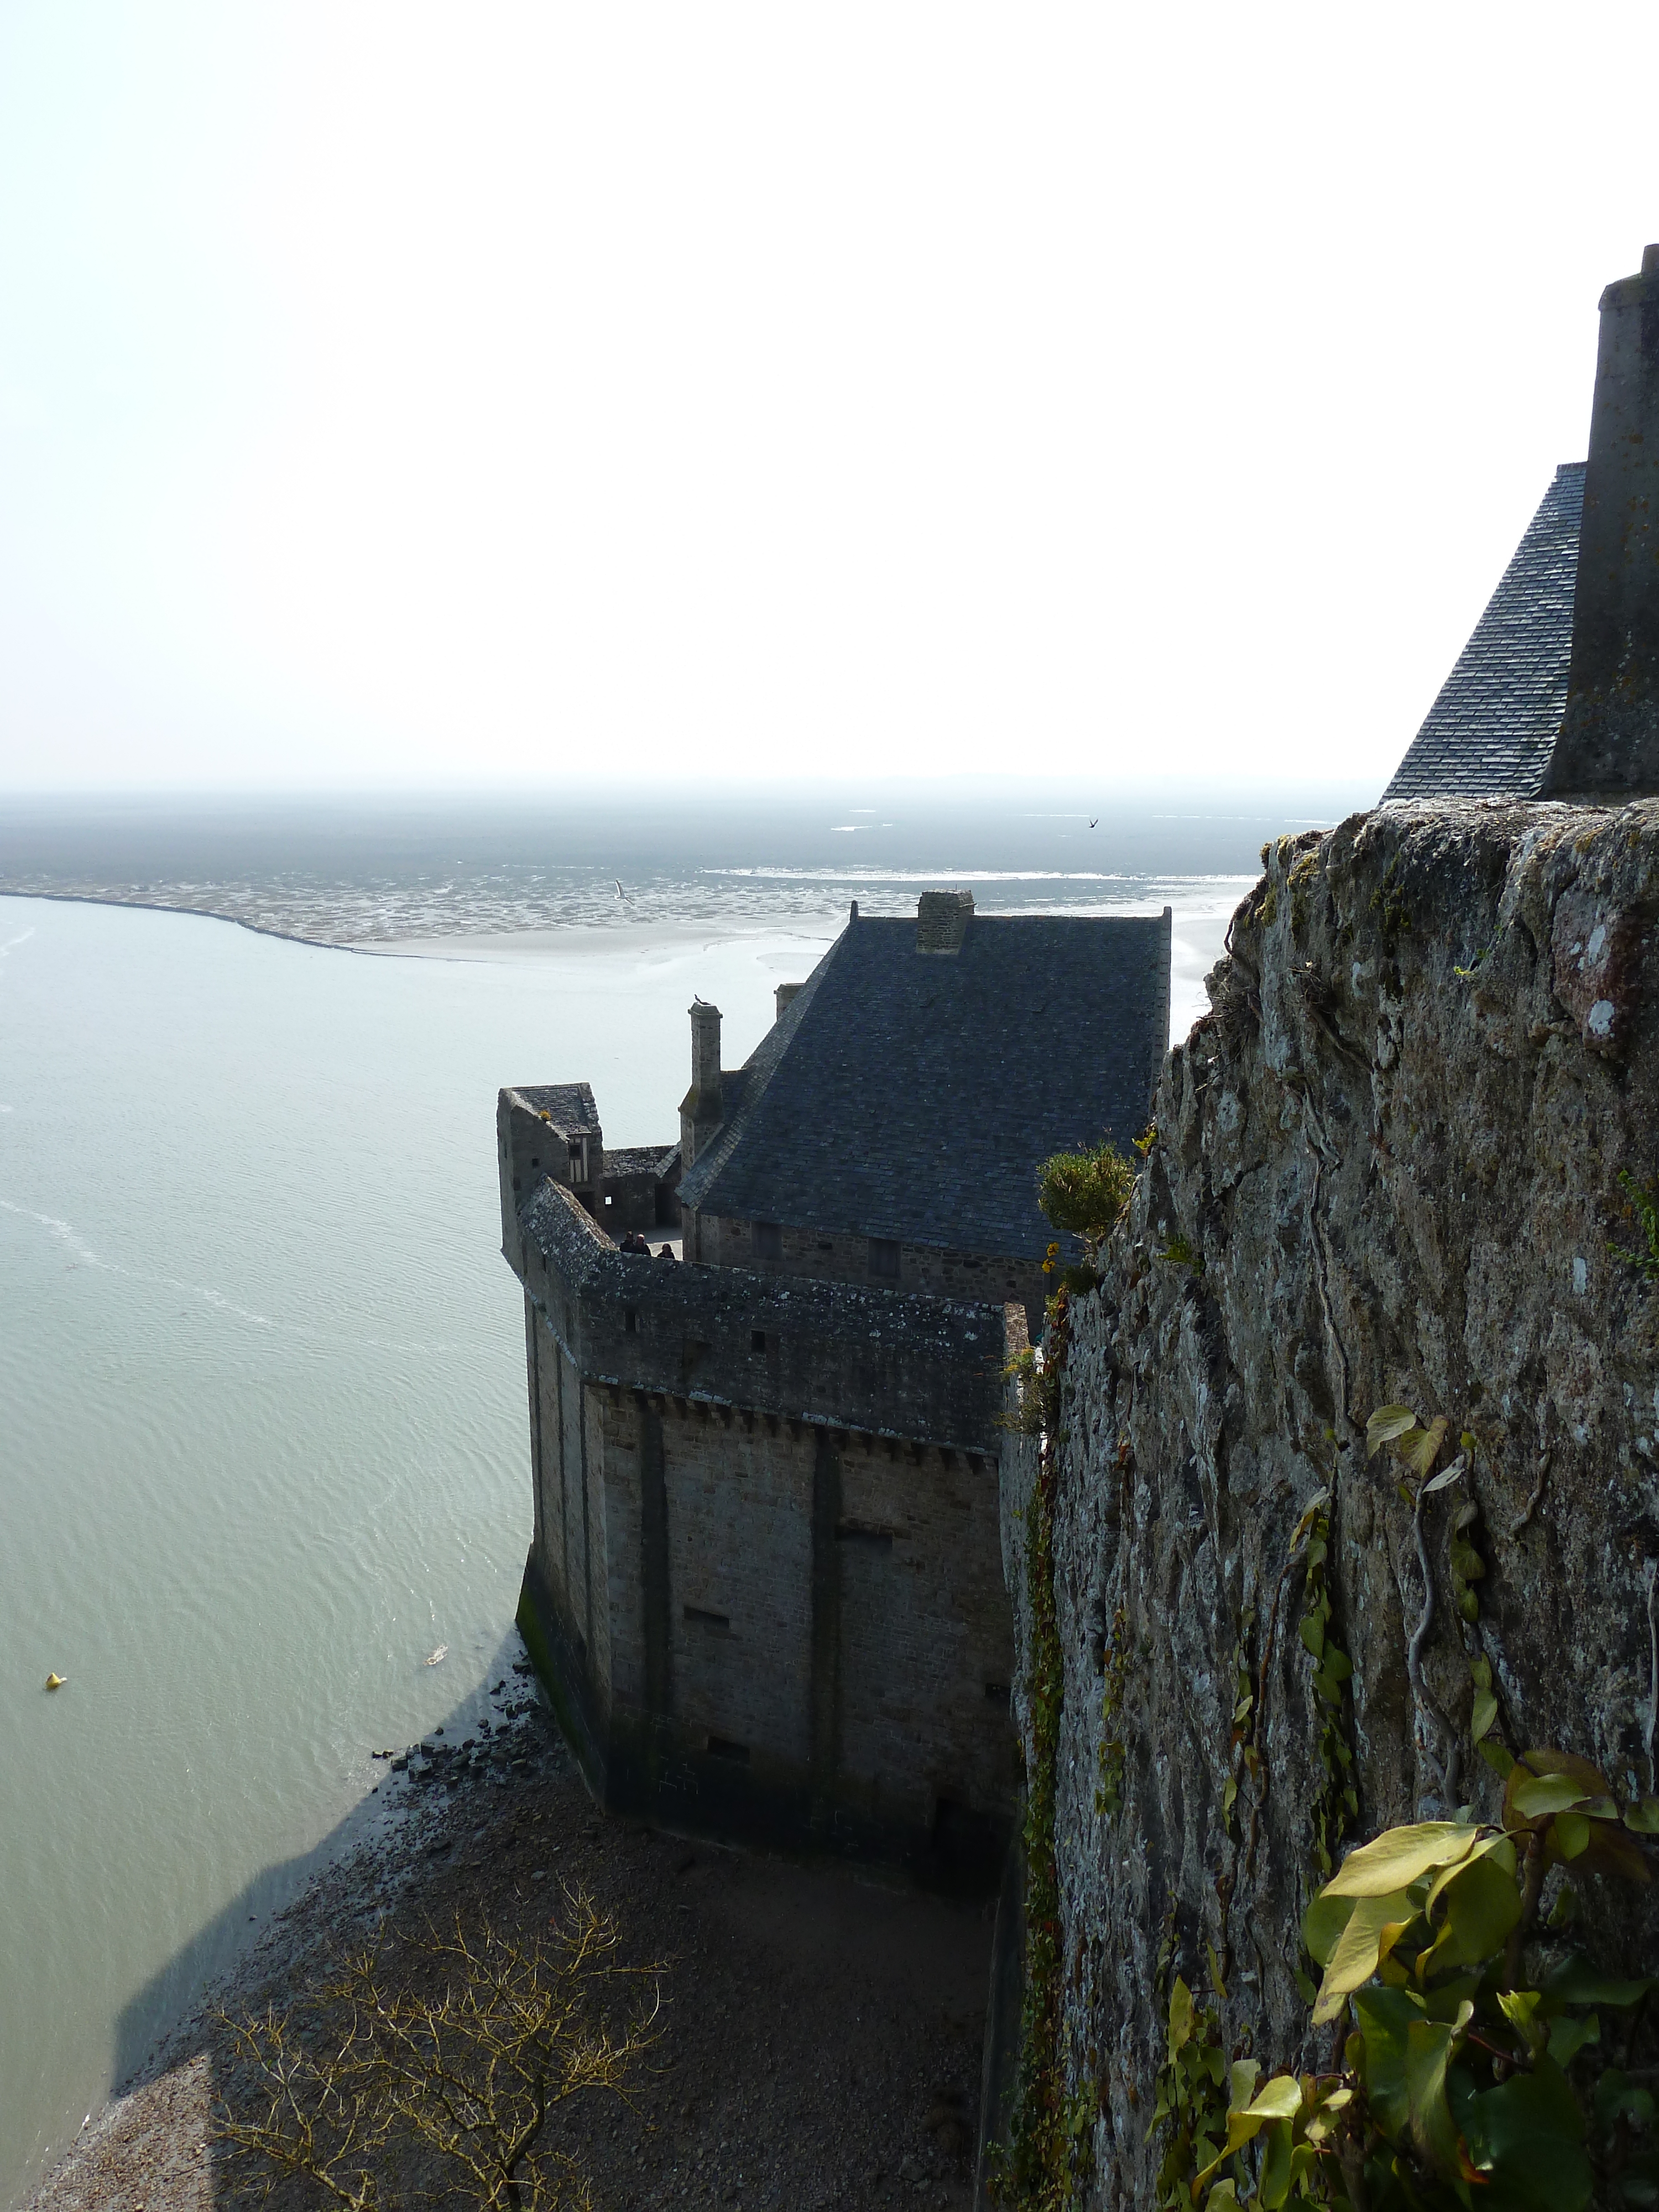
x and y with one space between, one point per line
56 1681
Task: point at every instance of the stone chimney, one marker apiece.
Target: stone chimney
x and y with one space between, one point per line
700 1108
1609 737
786 992
942 919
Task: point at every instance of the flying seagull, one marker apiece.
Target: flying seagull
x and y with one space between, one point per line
620 893
1095 824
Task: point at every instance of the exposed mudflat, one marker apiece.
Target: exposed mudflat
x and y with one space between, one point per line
821 2036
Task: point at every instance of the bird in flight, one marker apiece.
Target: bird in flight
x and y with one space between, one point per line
620 893
1093 825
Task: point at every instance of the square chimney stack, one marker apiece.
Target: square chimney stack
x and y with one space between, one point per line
1608 742
702 1108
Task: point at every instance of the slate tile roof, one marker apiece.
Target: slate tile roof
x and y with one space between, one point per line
1489 732
641 1159
568 1107
909 1096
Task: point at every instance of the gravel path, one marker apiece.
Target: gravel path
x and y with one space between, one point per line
822 2036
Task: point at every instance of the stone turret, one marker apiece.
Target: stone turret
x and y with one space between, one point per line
1609 737
702 1106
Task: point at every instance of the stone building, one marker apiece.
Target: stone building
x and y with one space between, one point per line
765 1587
1557 692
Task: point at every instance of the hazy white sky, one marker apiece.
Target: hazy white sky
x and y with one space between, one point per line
399 392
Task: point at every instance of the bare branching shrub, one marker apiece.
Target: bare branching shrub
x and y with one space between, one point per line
432 2066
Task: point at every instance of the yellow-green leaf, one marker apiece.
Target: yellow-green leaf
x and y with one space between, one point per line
1181 2015
1419 1452
1399 1855
1644 1816
1496 1846
1353 1962
1387 1423
1484 1714
1241 2078
1281 2100
1323 1923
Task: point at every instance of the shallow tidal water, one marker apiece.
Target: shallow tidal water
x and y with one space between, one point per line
263 1439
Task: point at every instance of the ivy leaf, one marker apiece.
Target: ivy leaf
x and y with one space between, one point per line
1482 1904
1400 1856
1354 1960
1642 1817
1569 2037
1281 2100
1378 2053
1428 2053
1419 1452
1447 1475
1484 1714
1525 2137
1576 1982
1181 2016
1500 1848
1534 1797
1519 2008
1321 1925
1387 1423
1570 1834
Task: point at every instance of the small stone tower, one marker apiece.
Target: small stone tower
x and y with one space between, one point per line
1609 736
702 1106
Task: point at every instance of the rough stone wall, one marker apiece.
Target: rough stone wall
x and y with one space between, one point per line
1387 1164
858 1356
770 1627
764 1585
837 1256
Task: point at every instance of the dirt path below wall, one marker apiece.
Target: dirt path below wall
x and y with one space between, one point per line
822 2036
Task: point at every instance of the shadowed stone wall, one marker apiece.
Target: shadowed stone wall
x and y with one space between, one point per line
1386 1171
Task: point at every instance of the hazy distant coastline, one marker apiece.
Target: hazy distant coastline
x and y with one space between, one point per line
352 874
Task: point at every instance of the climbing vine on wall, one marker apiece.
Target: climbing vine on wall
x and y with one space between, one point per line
1041 2163
1336 1802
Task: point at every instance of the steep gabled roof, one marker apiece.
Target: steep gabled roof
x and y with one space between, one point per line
912 1095
1489 732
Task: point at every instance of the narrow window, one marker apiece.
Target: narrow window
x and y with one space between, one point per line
864 1538
608 1200
630 1321
719 1623
769 1241
884 1259
757 1339
721 1747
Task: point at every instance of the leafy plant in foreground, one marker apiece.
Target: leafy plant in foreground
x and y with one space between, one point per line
1469 2077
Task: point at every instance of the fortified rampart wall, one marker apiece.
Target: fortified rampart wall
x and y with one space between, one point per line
842 1256
765 1581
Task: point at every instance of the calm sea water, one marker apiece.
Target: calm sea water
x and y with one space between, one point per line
262 1444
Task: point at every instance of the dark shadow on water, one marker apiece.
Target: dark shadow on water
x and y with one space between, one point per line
159 2028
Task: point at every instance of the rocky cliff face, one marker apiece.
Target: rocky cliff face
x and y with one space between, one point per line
1387 1170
